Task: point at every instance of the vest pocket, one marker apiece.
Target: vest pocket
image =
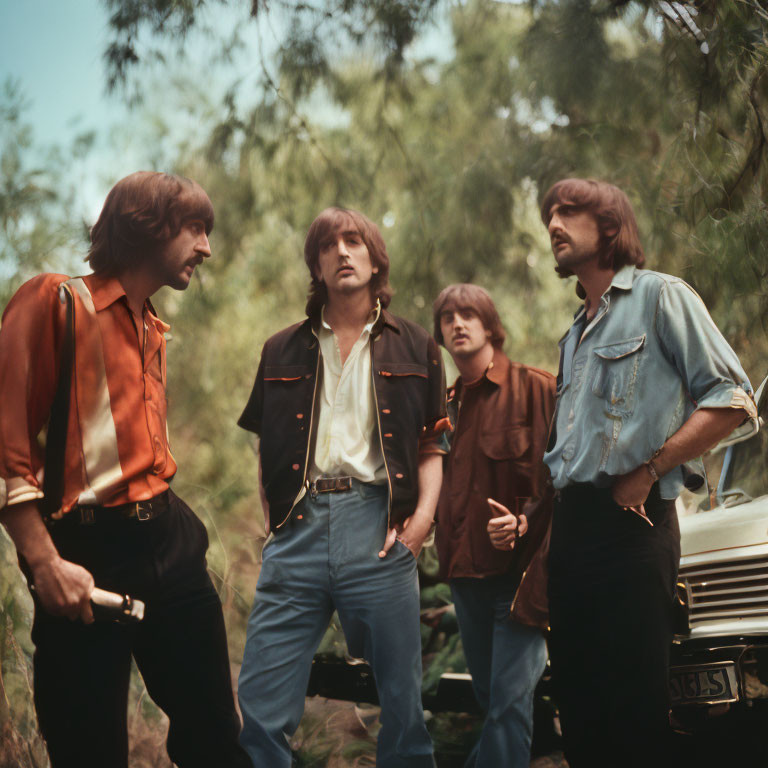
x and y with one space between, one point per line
285 372
402 369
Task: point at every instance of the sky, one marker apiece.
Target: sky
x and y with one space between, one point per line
53 50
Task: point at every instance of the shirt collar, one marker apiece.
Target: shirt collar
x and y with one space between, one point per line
372 319
105 291
496 371
624 278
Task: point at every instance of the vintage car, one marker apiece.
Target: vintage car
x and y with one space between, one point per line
719 671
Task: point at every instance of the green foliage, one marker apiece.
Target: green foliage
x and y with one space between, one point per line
20 744
38 230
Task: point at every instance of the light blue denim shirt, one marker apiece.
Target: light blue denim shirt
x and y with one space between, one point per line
649 358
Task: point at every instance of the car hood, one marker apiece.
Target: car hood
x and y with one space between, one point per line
725 528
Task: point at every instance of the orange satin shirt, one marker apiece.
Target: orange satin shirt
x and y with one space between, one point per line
117 441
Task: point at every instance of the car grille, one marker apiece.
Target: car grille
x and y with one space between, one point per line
730 589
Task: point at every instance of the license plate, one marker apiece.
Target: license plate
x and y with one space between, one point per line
705 684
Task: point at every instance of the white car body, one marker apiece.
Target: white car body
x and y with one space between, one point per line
721 654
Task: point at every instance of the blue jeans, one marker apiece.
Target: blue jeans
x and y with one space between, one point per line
506 660
326 558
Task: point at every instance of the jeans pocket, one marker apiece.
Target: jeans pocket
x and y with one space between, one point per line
406 548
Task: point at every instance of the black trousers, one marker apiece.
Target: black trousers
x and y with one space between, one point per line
611 591
81 673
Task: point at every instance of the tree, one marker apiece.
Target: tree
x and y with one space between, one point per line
668 100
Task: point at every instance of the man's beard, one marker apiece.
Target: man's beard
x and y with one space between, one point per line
575 256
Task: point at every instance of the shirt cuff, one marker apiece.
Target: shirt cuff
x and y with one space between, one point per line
437 428
431 445
19 490
727 396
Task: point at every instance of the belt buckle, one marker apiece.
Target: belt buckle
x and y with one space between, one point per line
344 484
143 513
87 516
312 489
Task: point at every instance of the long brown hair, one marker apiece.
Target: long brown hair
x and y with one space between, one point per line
619 239
328 223
463 296
141 214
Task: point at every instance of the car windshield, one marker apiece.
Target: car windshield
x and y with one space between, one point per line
746 467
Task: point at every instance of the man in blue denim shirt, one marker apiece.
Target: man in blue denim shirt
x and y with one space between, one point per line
646 385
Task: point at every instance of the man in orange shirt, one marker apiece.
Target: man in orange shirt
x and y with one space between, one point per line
112 518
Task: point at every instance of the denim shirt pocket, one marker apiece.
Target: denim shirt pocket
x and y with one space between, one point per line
616 373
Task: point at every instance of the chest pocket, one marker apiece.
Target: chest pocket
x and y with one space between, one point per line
388 370
616 373
401 389
286 373
506 444
287 390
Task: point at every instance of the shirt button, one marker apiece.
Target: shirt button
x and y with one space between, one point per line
385 410
399 475
295 467
299 415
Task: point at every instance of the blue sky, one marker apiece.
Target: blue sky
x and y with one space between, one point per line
54 50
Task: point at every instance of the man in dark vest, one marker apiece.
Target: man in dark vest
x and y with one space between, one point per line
348 405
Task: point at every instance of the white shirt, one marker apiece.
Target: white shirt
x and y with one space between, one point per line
347 435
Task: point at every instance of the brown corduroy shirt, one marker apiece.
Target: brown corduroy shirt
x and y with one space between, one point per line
501 424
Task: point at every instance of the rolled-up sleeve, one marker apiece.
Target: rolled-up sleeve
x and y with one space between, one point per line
30 337
707 365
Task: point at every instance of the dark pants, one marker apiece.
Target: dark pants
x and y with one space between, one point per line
82 672
611 591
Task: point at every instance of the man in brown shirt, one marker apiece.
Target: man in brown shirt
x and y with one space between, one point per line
495 483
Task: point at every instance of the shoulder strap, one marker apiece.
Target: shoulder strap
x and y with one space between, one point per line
56 439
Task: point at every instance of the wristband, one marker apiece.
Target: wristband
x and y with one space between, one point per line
651 467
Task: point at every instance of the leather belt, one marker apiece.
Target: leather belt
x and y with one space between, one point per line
141 511
330 485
